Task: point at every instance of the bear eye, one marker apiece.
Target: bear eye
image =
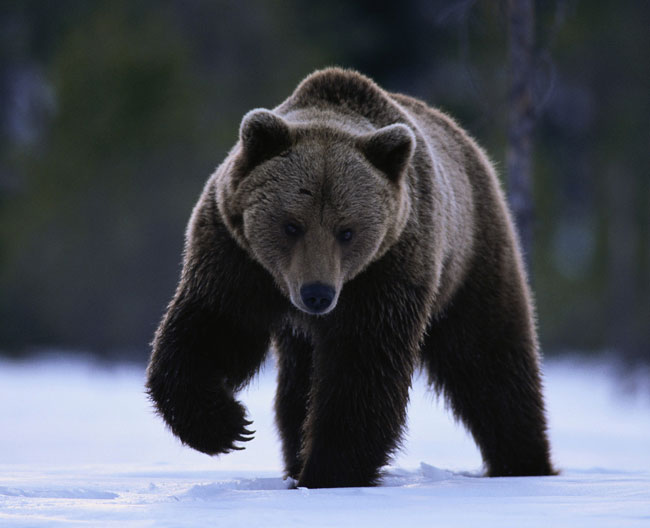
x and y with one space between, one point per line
345 235
292 230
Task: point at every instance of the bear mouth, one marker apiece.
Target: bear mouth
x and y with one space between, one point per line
312 312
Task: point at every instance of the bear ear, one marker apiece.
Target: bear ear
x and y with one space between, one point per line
389 149
263 135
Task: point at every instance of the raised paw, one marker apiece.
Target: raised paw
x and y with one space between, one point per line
214 429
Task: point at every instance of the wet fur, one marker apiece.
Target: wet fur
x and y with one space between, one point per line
444 289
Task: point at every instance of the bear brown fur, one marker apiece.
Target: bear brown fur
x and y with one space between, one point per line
362 234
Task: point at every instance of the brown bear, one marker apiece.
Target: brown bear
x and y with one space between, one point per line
361 234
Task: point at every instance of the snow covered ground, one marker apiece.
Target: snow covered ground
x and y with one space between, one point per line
79 445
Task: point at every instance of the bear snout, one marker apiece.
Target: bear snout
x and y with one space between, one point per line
317 297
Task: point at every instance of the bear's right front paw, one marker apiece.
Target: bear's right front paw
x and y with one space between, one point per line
216 430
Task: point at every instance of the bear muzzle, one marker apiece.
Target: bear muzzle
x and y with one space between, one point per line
317 298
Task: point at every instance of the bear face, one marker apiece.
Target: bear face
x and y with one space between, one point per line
298 197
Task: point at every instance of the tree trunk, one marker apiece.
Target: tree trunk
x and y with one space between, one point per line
521 119
622 252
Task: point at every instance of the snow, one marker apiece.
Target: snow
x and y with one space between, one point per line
80 445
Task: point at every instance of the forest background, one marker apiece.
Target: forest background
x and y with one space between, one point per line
114 113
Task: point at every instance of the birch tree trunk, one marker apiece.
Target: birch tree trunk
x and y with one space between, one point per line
521 119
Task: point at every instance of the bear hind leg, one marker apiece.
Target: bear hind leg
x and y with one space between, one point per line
484 360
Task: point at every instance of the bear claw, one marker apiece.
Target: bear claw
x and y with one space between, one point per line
246 436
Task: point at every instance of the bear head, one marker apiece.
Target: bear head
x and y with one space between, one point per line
314 202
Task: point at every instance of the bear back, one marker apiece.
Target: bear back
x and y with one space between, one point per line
344 91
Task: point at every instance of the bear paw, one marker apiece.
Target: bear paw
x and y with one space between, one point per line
218 430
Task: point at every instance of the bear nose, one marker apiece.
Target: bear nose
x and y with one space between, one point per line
317 296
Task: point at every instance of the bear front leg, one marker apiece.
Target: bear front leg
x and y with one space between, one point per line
294 356
213 337
199 360
357 408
